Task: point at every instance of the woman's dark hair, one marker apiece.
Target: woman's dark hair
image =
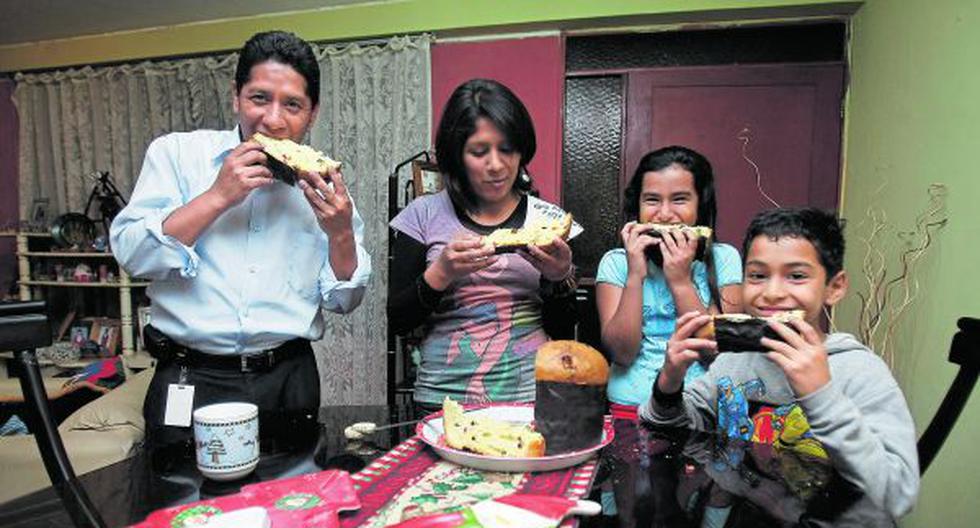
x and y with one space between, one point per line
704 185
282 47
821 228
691 161
494 102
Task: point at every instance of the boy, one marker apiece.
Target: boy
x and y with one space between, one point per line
826 395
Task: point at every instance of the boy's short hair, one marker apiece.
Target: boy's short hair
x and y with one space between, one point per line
821 228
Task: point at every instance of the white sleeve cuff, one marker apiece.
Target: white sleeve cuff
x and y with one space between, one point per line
180 256
342 296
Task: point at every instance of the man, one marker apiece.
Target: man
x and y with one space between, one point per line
241 263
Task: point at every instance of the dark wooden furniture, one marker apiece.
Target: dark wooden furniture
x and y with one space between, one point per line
965 352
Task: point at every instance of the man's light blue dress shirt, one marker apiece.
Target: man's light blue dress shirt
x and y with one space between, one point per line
255 278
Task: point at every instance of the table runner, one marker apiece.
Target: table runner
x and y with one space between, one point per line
411 480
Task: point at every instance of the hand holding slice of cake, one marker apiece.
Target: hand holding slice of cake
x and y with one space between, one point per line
487 436
701 233
539 233
738 332
287 158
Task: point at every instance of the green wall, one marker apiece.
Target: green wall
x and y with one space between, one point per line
913 118
354 21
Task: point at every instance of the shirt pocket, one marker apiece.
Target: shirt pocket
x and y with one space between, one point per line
307 253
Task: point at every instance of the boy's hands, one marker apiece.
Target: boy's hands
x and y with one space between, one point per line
802 357
683 350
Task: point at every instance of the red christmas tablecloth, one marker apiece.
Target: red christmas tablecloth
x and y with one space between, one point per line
412 480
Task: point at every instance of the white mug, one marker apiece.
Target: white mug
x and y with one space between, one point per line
226 440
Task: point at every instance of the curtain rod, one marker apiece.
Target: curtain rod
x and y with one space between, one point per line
374 41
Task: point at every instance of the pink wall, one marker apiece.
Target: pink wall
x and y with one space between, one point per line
534 68
8 183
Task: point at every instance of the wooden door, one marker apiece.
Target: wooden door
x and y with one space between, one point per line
790 115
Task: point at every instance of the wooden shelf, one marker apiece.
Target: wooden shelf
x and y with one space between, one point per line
124 286
17 233
139 359
74 284
66 254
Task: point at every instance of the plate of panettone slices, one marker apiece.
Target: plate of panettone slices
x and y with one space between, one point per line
497 437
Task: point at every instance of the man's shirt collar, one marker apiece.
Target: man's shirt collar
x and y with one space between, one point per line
227 143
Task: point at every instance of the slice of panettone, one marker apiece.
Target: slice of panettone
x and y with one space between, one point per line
487 436
738 332
538 233
287 157
701 233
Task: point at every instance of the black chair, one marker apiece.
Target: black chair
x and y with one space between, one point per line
965 352
24 326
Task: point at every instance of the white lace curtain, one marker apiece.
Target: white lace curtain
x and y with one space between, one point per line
75 122
374 112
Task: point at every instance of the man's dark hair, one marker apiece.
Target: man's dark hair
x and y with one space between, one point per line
495 102
282 47
821 228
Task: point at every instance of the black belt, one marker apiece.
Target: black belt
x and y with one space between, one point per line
166 350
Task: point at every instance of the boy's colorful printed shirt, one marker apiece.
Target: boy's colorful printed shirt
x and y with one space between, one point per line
742 416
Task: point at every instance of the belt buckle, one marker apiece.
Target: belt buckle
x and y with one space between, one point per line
178 354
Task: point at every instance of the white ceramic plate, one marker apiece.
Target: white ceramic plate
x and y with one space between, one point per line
431 431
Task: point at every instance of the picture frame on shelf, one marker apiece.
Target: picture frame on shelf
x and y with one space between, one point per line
95 328
78 335
426 178
106 333
108 339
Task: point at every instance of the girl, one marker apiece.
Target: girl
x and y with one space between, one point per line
638 302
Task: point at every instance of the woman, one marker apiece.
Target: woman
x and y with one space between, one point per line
484 314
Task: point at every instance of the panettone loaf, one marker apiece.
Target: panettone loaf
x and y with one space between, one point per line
571 386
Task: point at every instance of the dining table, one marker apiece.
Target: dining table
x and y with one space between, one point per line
646 476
